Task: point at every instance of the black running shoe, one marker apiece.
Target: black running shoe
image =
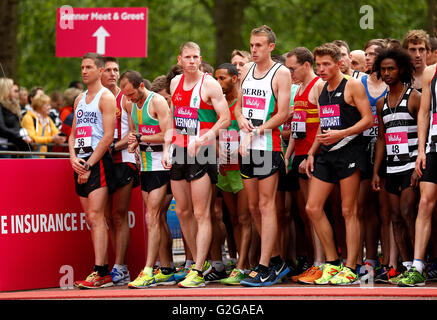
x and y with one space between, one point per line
215 276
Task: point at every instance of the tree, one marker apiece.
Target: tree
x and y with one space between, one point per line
8 36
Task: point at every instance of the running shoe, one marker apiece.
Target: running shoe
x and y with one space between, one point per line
307 269
279 271
192 280
345 277
258 279
300 266
120 277
95 281
181 273
234 278
312 274
388 274
215 276
143 280
396 279
229 266
329 271
413 278
431 274
164 279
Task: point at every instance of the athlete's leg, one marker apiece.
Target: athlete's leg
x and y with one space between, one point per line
386 227
408 213
166 243
399 230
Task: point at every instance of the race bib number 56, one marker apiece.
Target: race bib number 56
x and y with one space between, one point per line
82 144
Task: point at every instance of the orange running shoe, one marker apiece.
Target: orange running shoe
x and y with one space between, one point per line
303 274
313 274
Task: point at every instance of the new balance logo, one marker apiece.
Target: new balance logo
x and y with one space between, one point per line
338 94
351 165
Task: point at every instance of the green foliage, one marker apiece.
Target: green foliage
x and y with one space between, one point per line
295 22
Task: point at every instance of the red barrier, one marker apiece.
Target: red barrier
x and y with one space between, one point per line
43 233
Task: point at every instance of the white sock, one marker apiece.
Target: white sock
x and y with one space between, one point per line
318 264
419 265
188 263
218 265
120 267
407 264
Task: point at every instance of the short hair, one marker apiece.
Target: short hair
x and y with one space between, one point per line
173 72
97 58
328 49
134 77
207 67
265 30
111 59
302 55
380 43
403 60
70 95
189 45
39 101
433 43
147 84
416 37
241 53
232 70
392 43
342 43
75 84
278 58
159 83
56 96
33 92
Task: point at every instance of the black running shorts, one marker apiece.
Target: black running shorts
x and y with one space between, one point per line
126 172
261 164
151 180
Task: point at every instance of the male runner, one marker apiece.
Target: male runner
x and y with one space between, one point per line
91 135
358 60
426 169
344 114
305 123
397 137
151 117
239 58
432 55
262 107
125 174
417 44
199 111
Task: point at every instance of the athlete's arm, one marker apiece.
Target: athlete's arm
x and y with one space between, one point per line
243 123
380 145
76 163
413 108
423 118
107 106
168 137
159 109
289 152
123 142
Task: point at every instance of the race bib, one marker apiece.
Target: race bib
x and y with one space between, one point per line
186 120
228 143
330 117
253 110
82 144
373 131
397 145
433 129
298 124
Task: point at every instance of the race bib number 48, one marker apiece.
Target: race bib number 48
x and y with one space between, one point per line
397 145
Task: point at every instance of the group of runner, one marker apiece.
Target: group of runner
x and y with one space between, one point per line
303 170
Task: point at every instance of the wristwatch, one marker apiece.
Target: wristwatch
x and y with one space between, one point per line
87 166
138 136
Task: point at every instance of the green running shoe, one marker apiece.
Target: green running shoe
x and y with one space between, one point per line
329 271
192 280
164 279
413 278
398 278
143 280
344 277
234 278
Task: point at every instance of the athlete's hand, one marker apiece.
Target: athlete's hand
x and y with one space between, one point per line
243 145
165 161
376 183
309 166
287 162
245 124
57 139
132 143
83 178
414 180
420 164
302 166
194 147
77 165
330 136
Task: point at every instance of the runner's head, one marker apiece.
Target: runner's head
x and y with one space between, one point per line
328 60
227 76
372 48
189 57
417 44
300 62
159 85
111 72
345 55
358 60
92 67
262 43
132 86
239 58
394 65
432 55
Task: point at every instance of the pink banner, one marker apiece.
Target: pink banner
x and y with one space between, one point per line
330 111
148 130
43 231
396 137
254 102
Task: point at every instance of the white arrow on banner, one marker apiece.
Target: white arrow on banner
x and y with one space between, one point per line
101 35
